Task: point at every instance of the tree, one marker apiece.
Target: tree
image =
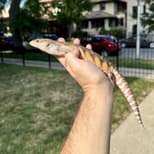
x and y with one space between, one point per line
117 32
28 17
147 19
13 13
2 4
2 23
14 9
69 12
23 20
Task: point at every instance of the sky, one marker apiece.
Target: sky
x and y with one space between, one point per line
21 4
1 4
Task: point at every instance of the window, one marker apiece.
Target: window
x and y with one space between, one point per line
112 23
121 21
96 23
85 24
120 7
134 30
144 8
102 6
134 12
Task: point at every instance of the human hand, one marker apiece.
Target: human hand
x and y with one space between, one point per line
85 73
92 123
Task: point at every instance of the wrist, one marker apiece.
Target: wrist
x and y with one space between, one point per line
102 87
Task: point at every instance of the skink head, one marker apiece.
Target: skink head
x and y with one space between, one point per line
51 47
39 43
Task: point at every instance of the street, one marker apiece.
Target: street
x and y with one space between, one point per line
145 53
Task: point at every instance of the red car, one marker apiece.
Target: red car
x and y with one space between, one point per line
7 43
3 43
105 45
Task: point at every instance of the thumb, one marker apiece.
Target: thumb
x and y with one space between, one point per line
72 61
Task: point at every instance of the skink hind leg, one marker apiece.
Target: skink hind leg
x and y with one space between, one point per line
112 78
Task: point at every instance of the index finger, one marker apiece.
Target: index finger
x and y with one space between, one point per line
75 51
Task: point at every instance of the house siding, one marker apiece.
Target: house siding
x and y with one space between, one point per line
131 22
110 16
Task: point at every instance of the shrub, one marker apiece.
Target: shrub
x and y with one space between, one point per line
79 34
117 32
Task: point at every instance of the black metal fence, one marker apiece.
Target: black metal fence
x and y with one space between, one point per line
139 64
129 62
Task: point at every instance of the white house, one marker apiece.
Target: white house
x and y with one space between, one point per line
105 14
131 26
5 12
110 14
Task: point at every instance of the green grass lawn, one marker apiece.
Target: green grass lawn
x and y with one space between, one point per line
37 107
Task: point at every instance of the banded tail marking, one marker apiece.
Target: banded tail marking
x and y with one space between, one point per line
127 92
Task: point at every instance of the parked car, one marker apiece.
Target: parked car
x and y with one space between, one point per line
3 43
50 36
146 41
103 44
7 42
11 43
150 38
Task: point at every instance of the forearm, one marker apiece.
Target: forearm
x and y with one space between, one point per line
90 133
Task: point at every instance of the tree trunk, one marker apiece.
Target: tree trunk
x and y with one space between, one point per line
13 12
70 30
14 9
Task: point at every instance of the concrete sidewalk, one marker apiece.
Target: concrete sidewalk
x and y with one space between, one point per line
131 138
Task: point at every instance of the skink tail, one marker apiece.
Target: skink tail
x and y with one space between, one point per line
127 92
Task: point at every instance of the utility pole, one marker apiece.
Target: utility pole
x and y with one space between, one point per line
138 29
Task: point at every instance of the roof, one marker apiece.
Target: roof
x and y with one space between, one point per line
96 1
123 0
99 14
45 1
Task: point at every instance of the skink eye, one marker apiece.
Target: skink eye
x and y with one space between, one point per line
48 44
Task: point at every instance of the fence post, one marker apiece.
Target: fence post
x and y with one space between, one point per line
2 57
49 61
117 60
23 58
117 56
